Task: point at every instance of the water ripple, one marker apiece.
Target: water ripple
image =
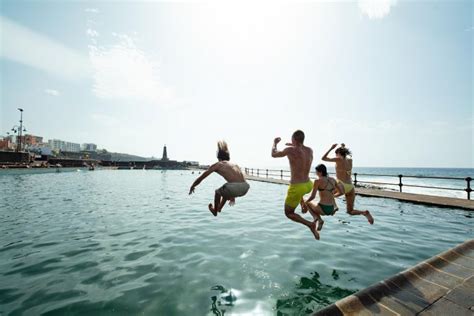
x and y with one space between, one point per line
132 242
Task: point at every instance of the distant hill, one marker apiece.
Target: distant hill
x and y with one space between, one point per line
128 157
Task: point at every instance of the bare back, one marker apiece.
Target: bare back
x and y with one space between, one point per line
344 170
230 172
301 158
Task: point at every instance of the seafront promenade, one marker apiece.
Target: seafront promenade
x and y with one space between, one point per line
402 196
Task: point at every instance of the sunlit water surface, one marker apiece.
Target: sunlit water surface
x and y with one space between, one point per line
133 242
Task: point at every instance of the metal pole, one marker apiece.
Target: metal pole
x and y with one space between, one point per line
468 188
267 173
21 129
355 179
281 174
258 172
400 184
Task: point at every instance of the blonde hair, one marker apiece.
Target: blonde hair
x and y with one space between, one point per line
222 150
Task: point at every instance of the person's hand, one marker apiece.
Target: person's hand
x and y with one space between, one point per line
191 190
333 146
277 140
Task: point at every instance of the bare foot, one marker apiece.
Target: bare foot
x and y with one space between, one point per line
313 229
320 225
213 211
369 217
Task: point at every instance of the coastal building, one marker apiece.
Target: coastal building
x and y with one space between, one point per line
89 147
42 149
60 145
30 140
6 144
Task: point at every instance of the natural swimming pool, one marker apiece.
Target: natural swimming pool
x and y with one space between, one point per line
130 242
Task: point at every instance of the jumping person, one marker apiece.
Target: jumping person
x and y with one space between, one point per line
325 186
236 185
300 158
344 176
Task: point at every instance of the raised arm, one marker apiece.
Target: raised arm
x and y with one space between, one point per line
277 153
326 158
206 173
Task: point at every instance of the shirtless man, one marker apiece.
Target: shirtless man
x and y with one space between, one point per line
236 185
300 158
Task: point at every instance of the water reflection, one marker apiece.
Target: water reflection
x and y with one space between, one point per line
310 295
224 299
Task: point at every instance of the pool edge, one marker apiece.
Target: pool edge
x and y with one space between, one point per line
440 285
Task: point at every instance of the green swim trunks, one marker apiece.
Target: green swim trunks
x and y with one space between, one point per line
296 191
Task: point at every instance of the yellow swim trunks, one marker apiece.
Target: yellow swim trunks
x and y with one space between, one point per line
296 191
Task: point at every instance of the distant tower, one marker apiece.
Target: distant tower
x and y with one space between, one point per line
165 154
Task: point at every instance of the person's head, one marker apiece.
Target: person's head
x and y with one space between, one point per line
343 151
297 137
321 170
222 151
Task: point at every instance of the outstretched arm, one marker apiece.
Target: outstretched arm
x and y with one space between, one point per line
275 152
326 158
211 169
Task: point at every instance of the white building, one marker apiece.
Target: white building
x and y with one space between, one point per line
57 144
40 149
89 147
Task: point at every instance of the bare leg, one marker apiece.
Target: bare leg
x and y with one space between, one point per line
217 202
221 204
350 198
316 211
290 213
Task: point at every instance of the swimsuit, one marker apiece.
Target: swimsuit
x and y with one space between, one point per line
232 190
348 187
296 191
327 209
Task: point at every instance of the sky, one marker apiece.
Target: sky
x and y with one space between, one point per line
393 80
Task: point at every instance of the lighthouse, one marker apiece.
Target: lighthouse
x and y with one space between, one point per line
165 154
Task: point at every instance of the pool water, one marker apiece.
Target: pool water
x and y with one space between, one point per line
128 242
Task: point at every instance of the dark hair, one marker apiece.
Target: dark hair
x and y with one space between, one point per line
322 168
222 151
298 136
343 151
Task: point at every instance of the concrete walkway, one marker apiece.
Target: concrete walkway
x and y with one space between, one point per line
441 285
440 201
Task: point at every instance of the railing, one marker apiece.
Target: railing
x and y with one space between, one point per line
284 174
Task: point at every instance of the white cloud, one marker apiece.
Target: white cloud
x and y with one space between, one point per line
92 33
92 10
376 9
27 47
123 70
52 92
